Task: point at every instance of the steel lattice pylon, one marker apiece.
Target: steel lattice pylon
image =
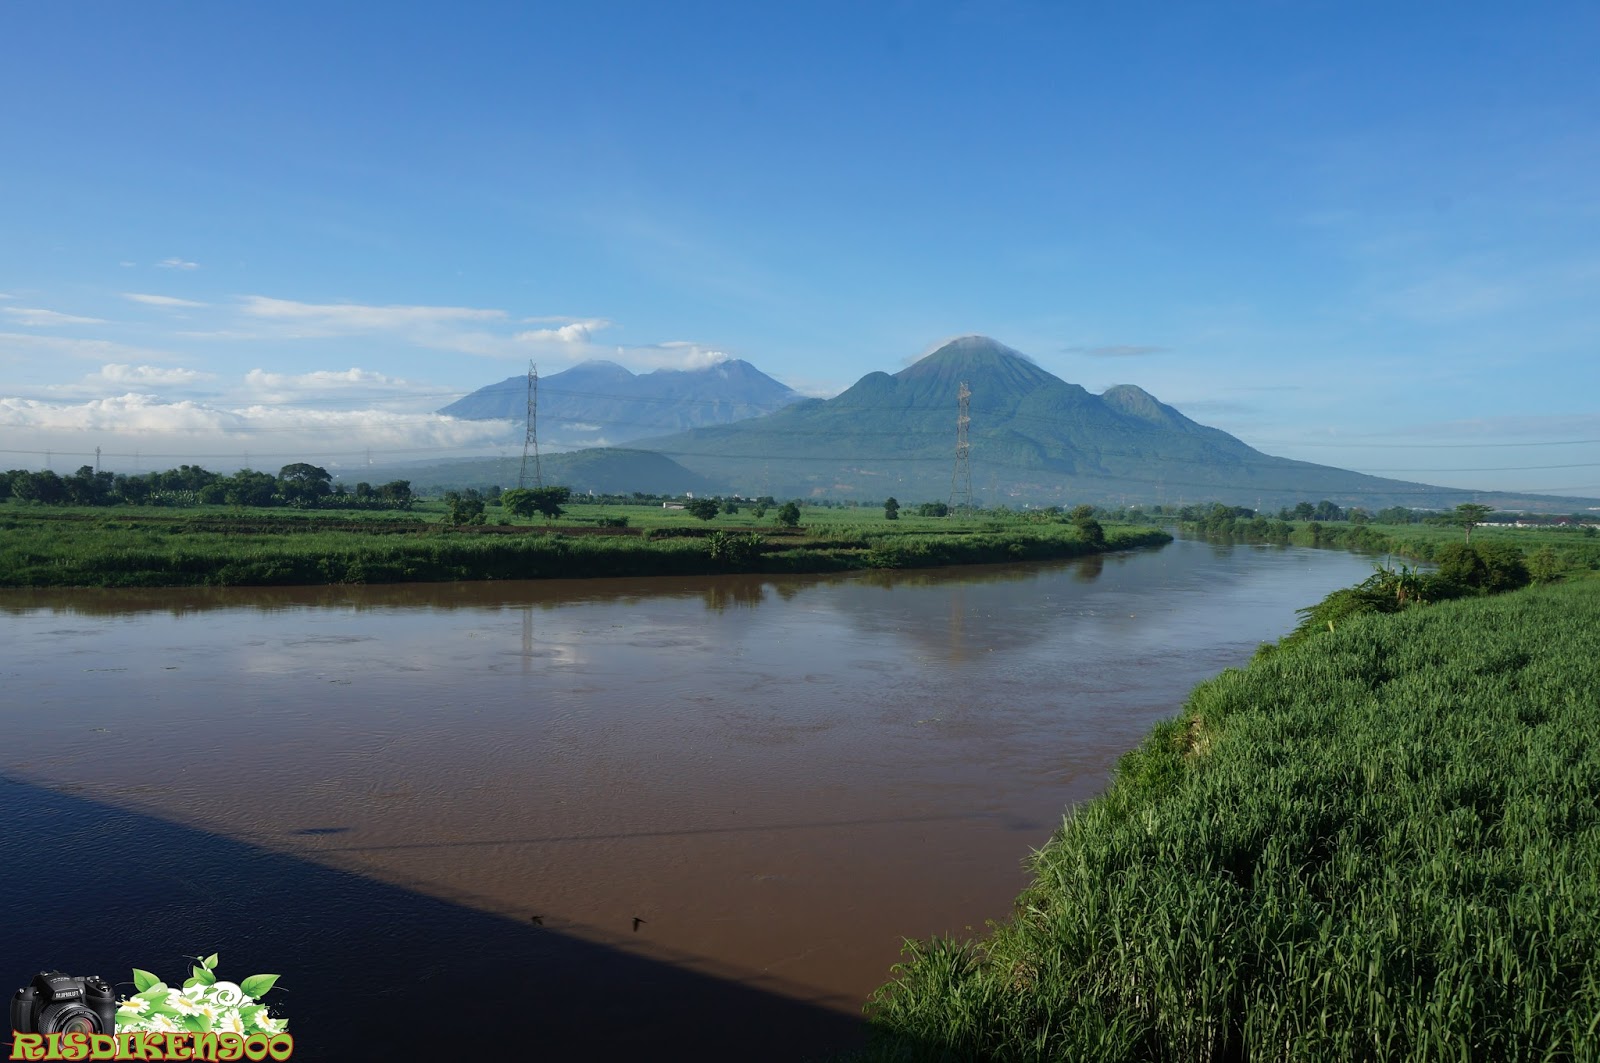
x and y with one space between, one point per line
961 475
530 439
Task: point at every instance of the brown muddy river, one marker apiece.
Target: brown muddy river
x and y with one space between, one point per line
672 818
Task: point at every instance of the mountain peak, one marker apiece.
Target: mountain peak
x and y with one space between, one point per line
599 367
973 344
1135 401
975 358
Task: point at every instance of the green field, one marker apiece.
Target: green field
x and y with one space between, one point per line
1382 843
129 546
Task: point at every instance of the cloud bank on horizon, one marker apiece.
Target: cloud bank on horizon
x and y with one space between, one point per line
1329 241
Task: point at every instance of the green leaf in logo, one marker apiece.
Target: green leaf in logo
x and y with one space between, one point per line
196 1023
258 984
211 962
143 980
204 976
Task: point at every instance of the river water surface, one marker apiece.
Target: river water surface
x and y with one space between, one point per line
683 817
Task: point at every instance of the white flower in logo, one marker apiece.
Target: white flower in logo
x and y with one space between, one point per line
205 1003
226 995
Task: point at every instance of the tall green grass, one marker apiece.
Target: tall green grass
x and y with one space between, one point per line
1382 844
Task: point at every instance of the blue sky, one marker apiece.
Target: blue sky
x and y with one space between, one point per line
1360 234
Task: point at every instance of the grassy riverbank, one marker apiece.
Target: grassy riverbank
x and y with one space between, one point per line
1382 843
216 546
1570 549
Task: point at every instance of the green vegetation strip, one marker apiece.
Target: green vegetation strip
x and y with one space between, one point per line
46 549
1379 844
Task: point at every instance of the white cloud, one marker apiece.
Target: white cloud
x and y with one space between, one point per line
128 375
134 413
572 332
160 300
673 354
224 436
33 317
320 379
24 344
177 263
362 317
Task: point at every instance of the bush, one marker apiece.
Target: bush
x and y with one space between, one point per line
1488 568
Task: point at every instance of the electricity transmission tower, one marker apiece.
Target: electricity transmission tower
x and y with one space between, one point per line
530 440
961 475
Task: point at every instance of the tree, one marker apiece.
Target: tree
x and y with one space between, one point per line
891 509
1304 511
933 509
87 487
704 508
730 507
135 490
43 486
1090 529
303 484
249 488
465 508
546 501
1544 566
397 493
1469 515
789 515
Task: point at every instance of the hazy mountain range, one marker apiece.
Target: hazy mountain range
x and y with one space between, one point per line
600 403
1035 439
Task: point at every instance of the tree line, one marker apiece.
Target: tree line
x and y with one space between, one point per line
300 486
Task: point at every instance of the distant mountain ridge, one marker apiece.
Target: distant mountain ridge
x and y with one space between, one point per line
1035 438
599 403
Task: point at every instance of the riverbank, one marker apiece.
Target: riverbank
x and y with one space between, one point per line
1381 843
1571 548
42 548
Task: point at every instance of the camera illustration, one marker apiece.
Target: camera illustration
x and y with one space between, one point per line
56 1003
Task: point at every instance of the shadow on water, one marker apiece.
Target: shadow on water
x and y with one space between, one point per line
718 592
370 971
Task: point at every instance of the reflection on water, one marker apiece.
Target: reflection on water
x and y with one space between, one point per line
779 777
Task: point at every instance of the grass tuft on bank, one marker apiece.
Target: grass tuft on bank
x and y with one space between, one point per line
1382 844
